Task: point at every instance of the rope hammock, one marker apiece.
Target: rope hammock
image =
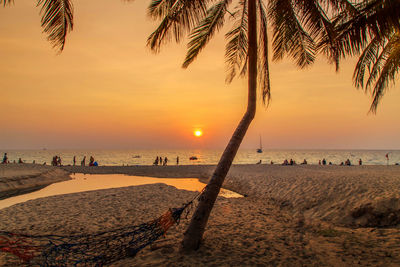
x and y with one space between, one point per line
90 249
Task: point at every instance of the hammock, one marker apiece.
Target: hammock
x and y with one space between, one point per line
90 249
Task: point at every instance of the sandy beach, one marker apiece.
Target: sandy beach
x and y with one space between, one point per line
292 215
16 179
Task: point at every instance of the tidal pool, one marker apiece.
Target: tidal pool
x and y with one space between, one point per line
88 182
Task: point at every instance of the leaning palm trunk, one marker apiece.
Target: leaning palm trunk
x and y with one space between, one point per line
194 233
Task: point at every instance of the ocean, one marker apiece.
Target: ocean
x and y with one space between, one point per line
147 157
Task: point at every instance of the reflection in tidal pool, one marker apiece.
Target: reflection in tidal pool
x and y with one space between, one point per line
81 182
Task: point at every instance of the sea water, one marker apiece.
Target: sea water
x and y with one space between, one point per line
147 157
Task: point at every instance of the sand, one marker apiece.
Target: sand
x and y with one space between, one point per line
16 179
292 216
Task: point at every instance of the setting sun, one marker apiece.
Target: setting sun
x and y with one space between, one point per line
198 133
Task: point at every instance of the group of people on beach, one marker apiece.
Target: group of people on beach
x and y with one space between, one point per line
6 161
320 162
83 162
292 162
160 161
56 161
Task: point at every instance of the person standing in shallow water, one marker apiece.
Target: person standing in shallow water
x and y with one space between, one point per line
177 160
360 162
74 160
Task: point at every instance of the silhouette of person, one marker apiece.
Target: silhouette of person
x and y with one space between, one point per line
91 161
165 161
83 162
74 160
360 162
177 160
5 159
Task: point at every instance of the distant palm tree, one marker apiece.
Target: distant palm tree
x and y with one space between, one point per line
297 26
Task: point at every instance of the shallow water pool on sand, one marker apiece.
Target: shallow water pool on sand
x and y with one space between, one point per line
81 182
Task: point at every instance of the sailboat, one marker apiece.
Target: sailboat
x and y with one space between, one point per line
259 150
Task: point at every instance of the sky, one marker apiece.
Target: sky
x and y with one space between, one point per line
107 90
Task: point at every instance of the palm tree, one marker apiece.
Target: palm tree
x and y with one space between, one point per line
297 26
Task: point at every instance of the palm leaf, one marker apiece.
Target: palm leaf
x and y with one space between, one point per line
177 17
366 60
381 61
236 47
376 18
205 30
289 37
264 80
343 5
57 20
388 73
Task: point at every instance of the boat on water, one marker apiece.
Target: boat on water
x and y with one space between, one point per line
193 158
259 150
136 157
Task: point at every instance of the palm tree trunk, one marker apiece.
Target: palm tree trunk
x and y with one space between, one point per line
194 234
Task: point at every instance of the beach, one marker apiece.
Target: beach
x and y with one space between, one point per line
16 179
292 215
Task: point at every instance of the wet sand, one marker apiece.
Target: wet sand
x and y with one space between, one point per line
293 216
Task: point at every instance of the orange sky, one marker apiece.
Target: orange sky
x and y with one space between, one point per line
108 90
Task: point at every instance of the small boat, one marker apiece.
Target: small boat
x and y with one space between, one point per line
137 157
259 150
193 158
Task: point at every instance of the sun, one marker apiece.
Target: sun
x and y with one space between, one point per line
198 133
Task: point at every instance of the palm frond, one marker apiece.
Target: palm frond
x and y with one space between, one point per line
345 6
177 17
376 18
319 26
387 75
264 80
366 60
160 8
236 47
205 30
378 64
289 37
381 61
57 20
